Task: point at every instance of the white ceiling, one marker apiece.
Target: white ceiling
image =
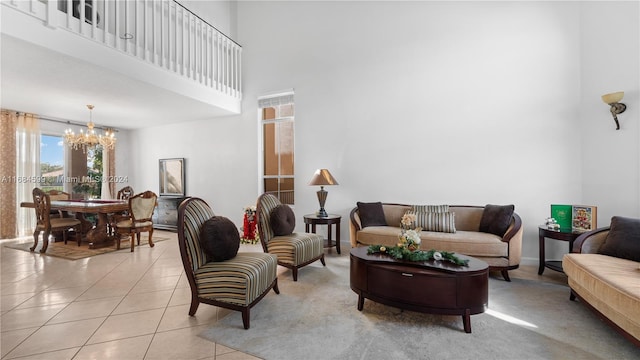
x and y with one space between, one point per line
54 85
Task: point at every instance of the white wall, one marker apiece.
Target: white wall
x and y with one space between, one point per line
610 62
425 102
411 102
219 13
220 161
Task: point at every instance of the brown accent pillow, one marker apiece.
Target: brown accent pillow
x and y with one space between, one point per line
371 214
219 238
283 220
623 239
496 219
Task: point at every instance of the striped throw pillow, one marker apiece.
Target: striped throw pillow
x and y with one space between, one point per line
439 222
430 208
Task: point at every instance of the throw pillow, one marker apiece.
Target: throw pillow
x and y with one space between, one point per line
496 219
371 214
430 208
283 220
219 238
435 221
623 240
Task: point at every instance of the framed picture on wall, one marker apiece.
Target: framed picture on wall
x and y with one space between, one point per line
172 177
584 218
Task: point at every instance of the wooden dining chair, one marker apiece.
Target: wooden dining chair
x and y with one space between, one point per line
140 209
44 221
123 194
56 195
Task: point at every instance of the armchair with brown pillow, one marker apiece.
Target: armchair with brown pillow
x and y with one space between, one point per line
295 249
218 274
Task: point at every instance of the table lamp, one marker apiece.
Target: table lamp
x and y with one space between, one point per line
322 177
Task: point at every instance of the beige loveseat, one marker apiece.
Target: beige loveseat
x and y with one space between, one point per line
608 285
502 253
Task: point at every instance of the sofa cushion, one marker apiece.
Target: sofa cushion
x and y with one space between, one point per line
496 219
371 214
246 277
609 284
434 221
219 238
430 208
470 243
623 240
297 248
282 220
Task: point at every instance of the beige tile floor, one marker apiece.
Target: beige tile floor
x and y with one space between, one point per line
121 305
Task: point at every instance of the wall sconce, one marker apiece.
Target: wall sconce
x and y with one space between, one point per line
616 107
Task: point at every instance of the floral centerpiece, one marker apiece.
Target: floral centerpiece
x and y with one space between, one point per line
409 244
249 234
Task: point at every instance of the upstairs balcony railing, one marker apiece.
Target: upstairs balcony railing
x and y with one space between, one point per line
160 32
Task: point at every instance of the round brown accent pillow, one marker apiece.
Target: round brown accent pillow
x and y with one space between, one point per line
282 220
219 238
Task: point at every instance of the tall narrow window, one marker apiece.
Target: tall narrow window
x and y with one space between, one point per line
277 118
51 162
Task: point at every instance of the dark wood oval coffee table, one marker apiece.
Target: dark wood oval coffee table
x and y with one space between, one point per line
436 287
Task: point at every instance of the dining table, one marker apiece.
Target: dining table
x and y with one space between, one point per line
99 235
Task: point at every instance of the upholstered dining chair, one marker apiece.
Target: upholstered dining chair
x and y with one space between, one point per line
140 209
123 194
56 195
44 221
294 250
237 283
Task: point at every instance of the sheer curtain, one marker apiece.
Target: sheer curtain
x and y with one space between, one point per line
108 171
8 124
27 169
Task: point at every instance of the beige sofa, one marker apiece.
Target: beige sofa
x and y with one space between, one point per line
502 253
608 285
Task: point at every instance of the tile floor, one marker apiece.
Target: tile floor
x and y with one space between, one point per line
121 305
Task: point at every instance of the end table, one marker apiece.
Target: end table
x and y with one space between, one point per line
562 235
313 220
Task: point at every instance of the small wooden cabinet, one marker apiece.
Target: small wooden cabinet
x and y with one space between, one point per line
165 215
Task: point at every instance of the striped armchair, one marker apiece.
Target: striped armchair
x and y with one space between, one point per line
294 251
238 283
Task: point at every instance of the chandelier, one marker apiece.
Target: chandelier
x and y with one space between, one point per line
89 139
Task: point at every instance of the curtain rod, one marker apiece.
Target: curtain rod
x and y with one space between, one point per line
69 122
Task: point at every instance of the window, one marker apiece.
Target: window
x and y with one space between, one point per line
277 120
84 179
51 163
86 173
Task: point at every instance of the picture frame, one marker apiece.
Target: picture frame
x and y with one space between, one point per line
584 218
172 177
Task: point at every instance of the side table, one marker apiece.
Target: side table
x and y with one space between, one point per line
560 234
313 220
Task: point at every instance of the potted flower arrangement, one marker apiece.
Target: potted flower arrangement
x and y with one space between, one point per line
409 244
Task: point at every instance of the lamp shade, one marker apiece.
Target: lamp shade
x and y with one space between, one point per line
322 177
613 97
